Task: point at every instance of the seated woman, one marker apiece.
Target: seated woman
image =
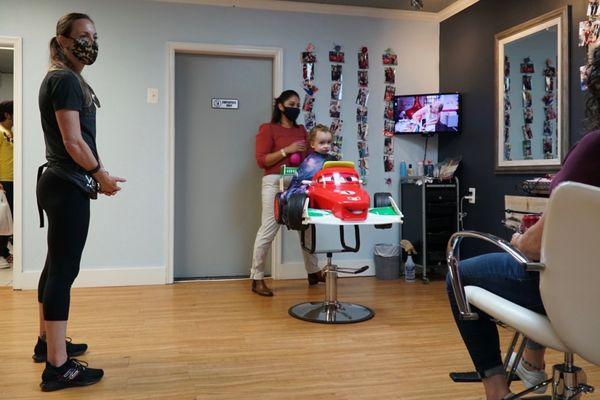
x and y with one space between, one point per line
503 276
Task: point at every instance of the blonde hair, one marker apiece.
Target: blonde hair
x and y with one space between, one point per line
58 60
312 135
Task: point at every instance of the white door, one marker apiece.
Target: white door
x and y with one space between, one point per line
217 181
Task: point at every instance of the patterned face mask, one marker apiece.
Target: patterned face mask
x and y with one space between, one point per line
85 50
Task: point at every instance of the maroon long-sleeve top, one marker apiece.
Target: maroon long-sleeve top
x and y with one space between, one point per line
582 163
274 137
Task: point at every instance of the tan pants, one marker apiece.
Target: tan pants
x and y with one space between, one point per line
268 229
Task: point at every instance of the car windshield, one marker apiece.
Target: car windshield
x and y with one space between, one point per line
325 179
338 179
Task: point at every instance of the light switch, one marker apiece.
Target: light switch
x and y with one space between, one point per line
152 97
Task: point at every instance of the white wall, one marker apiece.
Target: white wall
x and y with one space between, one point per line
128 232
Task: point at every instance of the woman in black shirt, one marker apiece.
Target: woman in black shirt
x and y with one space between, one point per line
74 175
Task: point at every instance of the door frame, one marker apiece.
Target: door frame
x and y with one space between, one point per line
273 53
17 45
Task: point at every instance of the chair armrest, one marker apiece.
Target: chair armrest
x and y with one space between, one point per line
464 307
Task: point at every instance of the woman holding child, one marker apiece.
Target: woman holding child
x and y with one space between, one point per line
276 142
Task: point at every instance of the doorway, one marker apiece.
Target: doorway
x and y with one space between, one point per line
220 99
10 139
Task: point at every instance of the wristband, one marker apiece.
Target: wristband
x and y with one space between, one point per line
282 151
93 171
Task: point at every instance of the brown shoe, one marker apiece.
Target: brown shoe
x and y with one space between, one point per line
260 287
315 278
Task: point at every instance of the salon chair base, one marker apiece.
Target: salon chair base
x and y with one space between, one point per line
473 376
331 313
470 377
330 310
568 382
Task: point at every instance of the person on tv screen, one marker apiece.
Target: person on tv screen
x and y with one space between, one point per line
429 117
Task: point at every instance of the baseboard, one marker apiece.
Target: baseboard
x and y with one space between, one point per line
98 277
297 270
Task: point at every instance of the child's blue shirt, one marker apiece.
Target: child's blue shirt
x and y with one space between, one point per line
312 164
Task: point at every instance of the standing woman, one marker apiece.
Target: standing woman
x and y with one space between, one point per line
275 143
74 175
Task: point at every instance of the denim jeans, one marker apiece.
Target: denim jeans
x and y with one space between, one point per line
500 274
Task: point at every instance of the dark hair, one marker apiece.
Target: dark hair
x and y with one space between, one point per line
312 135
58 60
283 97
6 107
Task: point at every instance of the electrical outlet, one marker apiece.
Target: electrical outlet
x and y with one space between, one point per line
152 96
471 196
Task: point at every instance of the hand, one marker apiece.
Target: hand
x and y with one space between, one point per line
516 237
109 185
295 147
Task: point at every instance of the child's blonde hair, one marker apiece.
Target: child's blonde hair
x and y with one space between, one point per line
312 135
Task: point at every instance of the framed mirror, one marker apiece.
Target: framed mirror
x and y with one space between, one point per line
532 89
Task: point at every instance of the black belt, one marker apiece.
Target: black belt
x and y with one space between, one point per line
40 210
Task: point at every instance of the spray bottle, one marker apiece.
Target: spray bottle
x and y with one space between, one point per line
409 266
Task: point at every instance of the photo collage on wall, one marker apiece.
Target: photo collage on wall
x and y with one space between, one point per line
507 108
309 59
527 71
550 114
362 113
589 35
390 61
336 56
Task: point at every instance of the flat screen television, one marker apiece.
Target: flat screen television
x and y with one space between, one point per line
427 113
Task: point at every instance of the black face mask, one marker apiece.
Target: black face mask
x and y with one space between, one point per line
85 50
291 113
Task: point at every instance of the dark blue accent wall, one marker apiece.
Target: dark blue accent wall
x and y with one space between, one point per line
467 66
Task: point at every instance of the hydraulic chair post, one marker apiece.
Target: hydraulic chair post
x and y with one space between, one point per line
330 310
330 282
569 381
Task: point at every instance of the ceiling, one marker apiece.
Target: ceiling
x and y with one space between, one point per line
429 5
6 61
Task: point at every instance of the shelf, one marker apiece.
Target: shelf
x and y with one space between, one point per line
430 218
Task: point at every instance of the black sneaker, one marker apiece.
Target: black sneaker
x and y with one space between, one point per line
316 277
40 351
72 373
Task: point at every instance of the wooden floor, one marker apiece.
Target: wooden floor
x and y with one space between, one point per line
6 276
217 340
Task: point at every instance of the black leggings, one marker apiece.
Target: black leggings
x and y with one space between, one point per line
68 210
